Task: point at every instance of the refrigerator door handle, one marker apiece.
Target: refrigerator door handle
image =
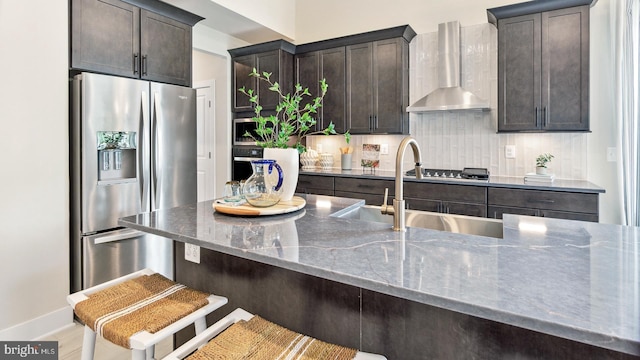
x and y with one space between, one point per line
155 166
142 181
123 235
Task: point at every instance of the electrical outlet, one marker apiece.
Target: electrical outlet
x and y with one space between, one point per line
611 154
510 151
192 253
384 149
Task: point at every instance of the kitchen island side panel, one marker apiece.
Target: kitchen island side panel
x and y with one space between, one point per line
363 319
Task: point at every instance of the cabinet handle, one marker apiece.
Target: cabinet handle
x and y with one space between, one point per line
537 118
370 122
545 117
144 64
546 201
135 64
375 117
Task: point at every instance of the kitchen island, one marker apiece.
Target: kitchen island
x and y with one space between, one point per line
549 289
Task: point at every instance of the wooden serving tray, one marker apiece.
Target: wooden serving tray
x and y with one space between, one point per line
283 207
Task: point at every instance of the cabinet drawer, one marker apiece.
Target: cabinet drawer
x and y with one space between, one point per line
447 207
369 199
548 200
366 186
446 192
496 212
315 182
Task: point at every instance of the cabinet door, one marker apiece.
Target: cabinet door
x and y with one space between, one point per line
104 37
333 70
307 75
359 88
242 67
389 95
565 69
479 210
165 45
496 212
268 62
519 73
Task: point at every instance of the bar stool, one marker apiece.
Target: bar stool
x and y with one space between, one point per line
243 335
139 310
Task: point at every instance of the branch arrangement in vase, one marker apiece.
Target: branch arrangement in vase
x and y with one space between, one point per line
291 121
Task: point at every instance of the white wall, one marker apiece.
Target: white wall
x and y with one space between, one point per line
274 14
319 20
208 66
34 236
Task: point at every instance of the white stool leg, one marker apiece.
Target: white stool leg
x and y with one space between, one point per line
88 343
151 352
138 354
200 324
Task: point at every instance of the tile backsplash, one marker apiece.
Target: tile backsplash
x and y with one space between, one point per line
458 139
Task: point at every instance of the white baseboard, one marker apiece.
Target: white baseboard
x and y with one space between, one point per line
39 327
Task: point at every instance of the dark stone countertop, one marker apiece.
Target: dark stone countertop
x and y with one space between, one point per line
512 182
570 279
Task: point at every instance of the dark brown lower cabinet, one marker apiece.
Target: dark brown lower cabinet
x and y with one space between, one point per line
555 204
319 185
470 200
446 198
371 190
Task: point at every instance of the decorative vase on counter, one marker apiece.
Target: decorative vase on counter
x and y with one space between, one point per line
308 159
541 170
326 160
289 161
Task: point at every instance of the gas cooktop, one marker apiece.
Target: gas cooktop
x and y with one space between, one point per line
480 174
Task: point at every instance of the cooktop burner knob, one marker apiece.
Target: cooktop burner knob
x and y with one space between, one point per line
451 175
428 174
443 175
458 176
436 174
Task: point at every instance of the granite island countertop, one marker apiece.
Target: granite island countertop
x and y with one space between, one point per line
512 182
570 279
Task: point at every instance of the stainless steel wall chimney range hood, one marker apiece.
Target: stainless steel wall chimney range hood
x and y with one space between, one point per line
449 95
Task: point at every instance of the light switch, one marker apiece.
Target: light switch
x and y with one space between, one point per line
192 253
510 151
384 149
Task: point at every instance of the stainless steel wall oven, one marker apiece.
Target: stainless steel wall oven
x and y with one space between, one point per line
241 161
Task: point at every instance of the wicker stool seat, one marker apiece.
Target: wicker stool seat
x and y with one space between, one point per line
241 335
139 310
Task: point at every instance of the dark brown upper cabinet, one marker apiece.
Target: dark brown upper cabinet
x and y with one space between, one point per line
543 68
377 87
326 64
367 74
150 41
275 57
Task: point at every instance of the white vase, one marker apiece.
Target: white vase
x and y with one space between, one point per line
289 161
541 170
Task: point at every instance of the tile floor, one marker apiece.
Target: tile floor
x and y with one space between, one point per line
70 346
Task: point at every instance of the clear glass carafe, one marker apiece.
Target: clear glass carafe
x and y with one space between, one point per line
263 187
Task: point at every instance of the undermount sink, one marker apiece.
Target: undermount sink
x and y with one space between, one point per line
429 220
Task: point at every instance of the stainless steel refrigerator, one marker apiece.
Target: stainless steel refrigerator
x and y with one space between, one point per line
133 150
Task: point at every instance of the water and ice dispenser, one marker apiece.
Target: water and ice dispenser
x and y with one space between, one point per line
117 157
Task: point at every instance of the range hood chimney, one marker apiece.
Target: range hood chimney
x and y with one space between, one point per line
449 95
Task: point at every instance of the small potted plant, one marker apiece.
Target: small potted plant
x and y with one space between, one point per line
282 135
541 163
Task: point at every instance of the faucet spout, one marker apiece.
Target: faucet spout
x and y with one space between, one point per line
398 201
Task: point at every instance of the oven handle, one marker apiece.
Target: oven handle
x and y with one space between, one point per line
248 159
123 235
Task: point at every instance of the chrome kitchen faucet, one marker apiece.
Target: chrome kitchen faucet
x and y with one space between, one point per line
398 208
